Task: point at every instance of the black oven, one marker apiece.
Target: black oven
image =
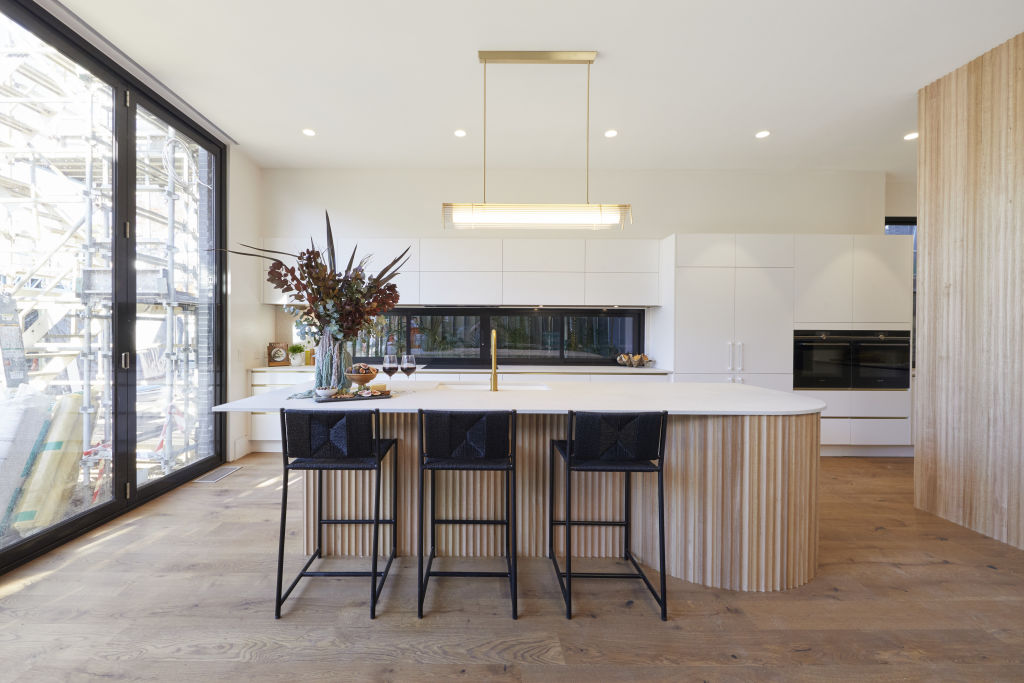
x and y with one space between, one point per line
851 359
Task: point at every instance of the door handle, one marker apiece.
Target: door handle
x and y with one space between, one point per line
739 352
126 360
728 348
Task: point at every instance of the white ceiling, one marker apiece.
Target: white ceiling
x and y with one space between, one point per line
686 83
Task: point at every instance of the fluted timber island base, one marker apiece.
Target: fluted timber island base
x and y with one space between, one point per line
741 490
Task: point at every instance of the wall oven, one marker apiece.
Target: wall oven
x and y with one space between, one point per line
851 359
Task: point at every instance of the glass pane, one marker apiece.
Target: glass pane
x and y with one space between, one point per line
56 163
532 337
599 337
386 335
445 336
175 271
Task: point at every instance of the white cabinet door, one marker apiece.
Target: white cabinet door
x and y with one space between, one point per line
837 401
704 320
546 289
460 254
378 251
887 403
778 382
883 272
460 289
835 431
764 320
622 256
408 283
764 251
824 278
557 255
702 377
621 289
880 432
710 250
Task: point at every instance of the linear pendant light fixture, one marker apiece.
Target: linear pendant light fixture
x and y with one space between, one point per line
484 216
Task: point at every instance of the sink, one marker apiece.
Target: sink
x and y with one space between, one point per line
501 387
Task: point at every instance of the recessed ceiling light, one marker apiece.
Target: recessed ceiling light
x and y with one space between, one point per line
460 133
762 134
308 132
910 136
611 133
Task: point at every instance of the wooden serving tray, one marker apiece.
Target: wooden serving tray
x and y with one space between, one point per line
339 399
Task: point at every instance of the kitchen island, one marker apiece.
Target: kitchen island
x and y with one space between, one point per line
741 478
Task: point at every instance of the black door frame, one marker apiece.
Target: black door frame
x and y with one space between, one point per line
127 92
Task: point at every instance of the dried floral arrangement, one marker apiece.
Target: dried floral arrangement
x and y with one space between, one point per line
330 306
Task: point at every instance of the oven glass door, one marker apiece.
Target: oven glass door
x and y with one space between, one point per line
821 365
881 365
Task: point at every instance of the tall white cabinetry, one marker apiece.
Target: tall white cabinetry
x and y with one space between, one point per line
734 309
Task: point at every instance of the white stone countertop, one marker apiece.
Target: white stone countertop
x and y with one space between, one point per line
509 370
679 398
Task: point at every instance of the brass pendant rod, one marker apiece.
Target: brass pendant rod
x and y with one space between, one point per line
588 132
485 131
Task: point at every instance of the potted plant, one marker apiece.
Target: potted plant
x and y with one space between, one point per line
297 354
331 306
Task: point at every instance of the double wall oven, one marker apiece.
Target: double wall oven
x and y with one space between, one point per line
851 359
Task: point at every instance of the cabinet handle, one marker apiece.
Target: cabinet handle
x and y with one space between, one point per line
739 351
126 359
728 347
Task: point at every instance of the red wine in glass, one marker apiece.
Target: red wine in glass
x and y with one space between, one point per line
408 365
390 365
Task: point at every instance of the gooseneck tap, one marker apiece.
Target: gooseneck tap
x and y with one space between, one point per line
494 359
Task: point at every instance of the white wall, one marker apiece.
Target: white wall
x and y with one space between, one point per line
900 197
250 323
399 203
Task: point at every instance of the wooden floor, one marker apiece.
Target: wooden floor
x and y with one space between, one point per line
183 589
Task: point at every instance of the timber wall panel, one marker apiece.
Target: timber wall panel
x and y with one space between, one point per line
969 392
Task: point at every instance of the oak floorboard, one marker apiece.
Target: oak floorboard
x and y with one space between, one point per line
182 589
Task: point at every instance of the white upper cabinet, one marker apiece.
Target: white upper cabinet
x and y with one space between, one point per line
378 251
460 289
712 250
764 320
704 320
621 289
622 256
764 251
824 278
408 283
534 255
883 272
545 289
460 254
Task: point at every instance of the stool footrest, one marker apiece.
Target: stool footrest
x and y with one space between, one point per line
355 521
502 575
604 575
587 522
471 521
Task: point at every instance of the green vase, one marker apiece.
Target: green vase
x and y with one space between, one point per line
333 357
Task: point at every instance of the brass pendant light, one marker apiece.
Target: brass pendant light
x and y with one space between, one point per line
484 216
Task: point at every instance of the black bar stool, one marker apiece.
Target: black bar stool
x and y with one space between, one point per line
608 442
483 441
327 441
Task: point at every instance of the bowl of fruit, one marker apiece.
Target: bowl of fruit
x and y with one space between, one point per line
361 374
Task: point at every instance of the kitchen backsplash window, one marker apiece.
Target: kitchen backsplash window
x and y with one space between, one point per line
460 337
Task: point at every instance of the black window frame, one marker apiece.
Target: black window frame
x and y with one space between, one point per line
486 312
128 91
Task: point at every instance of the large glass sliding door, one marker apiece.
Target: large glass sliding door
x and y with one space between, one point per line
175 231
110 317
56 203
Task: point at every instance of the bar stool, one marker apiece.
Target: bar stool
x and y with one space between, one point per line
480 441
328 441
608 442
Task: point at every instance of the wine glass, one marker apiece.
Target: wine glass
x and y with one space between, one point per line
408 365
390 365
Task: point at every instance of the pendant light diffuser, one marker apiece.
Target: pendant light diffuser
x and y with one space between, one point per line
535 216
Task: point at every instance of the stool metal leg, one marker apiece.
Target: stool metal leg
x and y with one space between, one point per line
320 513
280 547
628 516
512 531
661 541
568 542
551 501
374 542
419 549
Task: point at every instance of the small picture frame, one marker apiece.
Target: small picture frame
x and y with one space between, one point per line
277 354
